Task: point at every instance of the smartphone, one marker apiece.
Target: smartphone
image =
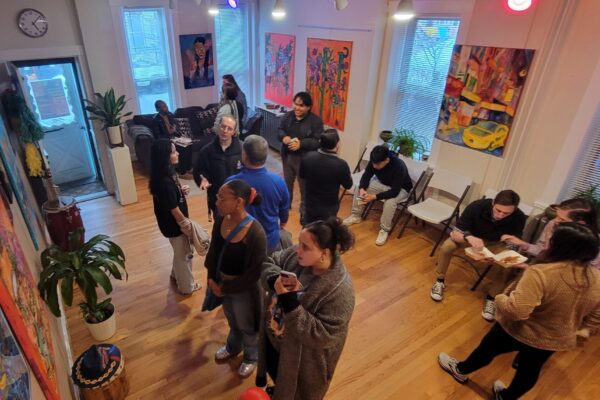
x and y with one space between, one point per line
288 279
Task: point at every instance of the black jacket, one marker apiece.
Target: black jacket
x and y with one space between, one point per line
307 130
394 174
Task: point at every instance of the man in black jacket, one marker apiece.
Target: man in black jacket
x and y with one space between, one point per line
218 160
386 178
323 173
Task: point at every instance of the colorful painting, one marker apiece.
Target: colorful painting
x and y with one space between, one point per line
279 67
14 373
481 97
24 309
10 166
327 79
197 60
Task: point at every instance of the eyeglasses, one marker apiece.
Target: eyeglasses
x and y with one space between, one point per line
227 128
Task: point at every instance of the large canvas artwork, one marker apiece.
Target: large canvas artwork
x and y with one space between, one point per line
9 162
14 373
197 60
279 67
327 79
482 94
24 309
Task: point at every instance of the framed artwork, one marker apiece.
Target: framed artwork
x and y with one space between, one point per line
482 94
280 52
9 162
24 309
197 60
14 372
327 79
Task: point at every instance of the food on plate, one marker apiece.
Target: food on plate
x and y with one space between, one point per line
510 260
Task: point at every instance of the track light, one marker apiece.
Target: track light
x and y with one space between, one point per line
213 9
232 3
405 10
340 4
278 9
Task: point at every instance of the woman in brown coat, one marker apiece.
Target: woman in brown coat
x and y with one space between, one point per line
306 319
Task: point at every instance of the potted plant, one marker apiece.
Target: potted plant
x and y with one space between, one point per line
408 143
88 266
108 110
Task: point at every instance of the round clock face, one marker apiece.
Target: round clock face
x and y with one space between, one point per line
32 22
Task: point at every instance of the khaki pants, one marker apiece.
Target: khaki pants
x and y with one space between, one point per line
389 205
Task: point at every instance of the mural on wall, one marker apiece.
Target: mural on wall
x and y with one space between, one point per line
481 97
14 372
328 78
197 60
9 162
24 309
279 67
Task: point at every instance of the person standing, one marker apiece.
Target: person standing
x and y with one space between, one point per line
171 211
273 210
228 79
230 106
218 159
299 133
552 304
323 173
234 263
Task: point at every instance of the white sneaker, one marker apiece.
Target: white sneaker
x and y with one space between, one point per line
222 354
382 237
246 369
489 310
351 220
437 291
498 387
449 364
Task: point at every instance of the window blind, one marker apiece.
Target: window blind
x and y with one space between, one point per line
419 75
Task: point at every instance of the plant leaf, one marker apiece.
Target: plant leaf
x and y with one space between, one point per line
66 289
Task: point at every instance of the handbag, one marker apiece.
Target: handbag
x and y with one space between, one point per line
211 300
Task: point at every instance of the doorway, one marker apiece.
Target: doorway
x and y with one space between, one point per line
52 89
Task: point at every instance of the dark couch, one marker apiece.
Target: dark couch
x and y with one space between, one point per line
195 121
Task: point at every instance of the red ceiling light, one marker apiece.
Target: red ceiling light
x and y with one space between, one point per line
519 5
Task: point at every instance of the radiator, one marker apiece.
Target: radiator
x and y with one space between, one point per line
270 125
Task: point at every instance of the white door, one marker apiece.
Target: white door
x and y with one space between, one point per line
52 92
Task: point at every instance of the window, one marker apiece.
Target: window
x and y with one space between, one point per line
145 32
419 75
233 46
585 175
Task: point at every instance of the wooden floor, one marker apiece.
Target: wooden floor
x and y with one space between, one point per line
395 334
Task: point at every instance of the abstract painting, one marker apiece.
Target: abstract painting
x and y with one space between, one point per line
327 79
279 67
14 373
483 89
197 60
24 309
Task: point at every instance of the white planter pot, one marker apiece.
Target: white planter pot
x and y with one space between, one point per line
105 329
114 136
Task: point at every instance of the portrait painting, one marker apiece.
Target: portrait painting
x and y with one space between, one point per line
14 372
197 60
280 51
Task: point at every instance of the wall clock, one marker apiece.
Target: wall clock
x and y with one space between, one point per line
32 23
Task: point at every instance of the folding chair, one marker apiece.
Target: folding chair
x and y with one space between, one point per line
359 169
435 211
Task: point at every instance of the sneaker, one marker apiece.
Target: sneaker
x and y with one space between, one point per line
222 354
351 220
246 369
382 237
449 364
498 387
437 291
489 310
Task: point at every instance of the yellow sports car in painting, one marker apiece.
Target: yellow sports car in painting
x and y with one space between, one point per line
485 135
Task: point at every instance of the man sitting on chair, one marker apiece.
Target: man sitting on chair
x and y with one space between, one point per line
385 178
483 223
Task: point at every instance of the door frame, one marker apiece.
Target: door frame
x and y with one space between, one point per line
81 90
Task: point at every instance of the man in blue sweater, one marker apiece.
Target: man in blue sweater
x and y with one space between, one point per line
273 210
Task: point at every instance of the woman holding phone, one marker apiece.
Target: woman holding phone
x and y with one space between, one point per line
234 262
309 305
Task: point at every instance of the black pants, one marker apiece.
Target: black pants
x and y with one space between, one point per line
319 212
497 342
185 158
272 356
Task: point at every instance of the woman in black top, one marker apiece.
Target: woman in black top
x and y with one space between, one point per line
171 212
233 273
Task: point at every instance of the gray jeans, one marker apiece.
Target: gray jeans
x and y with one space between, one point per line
182 263
389 205
243 328
291 169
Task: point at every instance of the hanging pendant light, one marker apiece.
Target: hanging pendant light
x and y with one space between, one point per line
405 11
278 9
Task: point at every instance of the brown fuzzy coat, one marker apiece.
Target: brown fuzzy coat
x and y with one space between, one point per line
315 331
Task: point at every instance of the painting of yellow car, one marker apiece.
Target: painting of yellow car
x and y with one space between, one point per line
485 135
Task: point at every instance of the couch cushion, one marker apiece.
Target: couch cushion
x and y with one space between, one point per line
182 127
206 120
147 120
136 131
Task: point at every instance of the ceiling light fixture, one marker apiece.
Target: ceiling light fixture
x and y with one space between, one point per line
519 5
232 3
278 9
405 11
340 4
213 9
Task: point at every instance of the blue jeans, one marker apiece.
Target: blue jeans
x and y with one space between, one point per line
239 309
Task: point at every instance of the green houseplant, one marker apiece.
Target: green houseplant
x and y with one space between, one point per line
108 109
408 143
88 266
